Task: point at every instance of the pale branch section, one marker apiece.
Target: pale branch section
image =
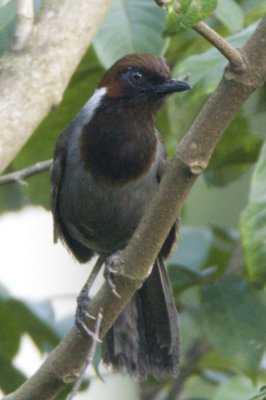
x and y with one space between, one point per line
33 81
25 173
24 24
134 263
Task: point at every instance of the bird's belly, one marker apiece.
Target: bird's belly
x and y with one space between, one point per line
103 217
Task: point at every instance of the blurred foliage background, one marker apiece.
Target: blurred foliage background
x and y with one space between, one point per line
219 268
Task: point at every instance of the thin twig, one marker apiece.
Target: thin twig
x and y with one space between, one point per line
233 55
24 24
89 359
21 175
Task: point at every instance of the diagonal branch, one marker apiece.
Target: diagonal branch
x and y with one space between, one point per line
191 158
33 81
89 359
25 173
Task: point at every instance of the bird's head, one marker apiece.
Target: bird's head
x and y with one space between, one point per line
142 78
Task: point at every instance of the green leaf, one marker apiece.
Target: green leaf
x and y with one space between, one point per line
211 247
190 332
11 198
256 12
20 317
223 246
10 377
198 239
214 361
238 387
197 388
262 395
258 190
7 13
184 277
7 23
236 151
234 321
212 251
130 26
249 5
253 224
186 13
253 230
230 14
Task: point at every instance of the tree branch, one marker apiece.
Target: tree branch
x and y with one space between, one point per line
33 81
89 359
233 55
21 175
24 24
191 158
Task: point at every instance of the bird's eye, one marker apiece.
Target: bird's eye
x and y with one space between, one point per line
136 76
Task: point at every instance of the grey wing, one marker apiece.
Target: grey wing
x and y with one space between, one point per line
57 174
82 253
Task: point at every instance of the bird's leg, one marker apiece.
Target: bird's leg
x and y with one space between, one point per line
83 300
109 272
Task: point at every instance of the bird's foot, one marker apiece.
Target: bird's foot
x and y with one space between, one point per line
109 272
83 301
82 315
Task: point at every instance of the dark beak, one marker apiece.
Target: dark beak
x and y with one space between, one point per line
171 86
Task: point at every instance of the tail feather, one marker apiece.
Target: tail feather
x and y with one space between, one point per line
145 337
124 346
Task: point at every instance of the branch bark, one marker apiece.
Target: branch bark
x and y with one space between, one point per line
25 173
191 158
233 55
33 81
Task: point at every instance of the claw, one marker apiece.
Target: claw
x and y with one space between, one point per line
81 315
109 272
83 302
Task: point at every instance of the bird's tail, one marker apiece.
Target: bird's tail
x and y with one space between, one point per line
145 337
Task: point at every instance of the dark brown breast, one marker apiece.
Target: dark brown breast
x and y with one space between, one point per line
116 145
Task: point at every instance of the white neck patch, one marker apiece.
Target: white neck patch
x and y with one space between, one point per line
92 104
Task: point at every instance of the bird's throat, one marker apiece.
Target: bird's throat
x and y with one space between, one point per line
116 148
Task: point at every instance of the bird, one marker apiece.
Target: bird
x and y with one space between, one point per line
107 167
